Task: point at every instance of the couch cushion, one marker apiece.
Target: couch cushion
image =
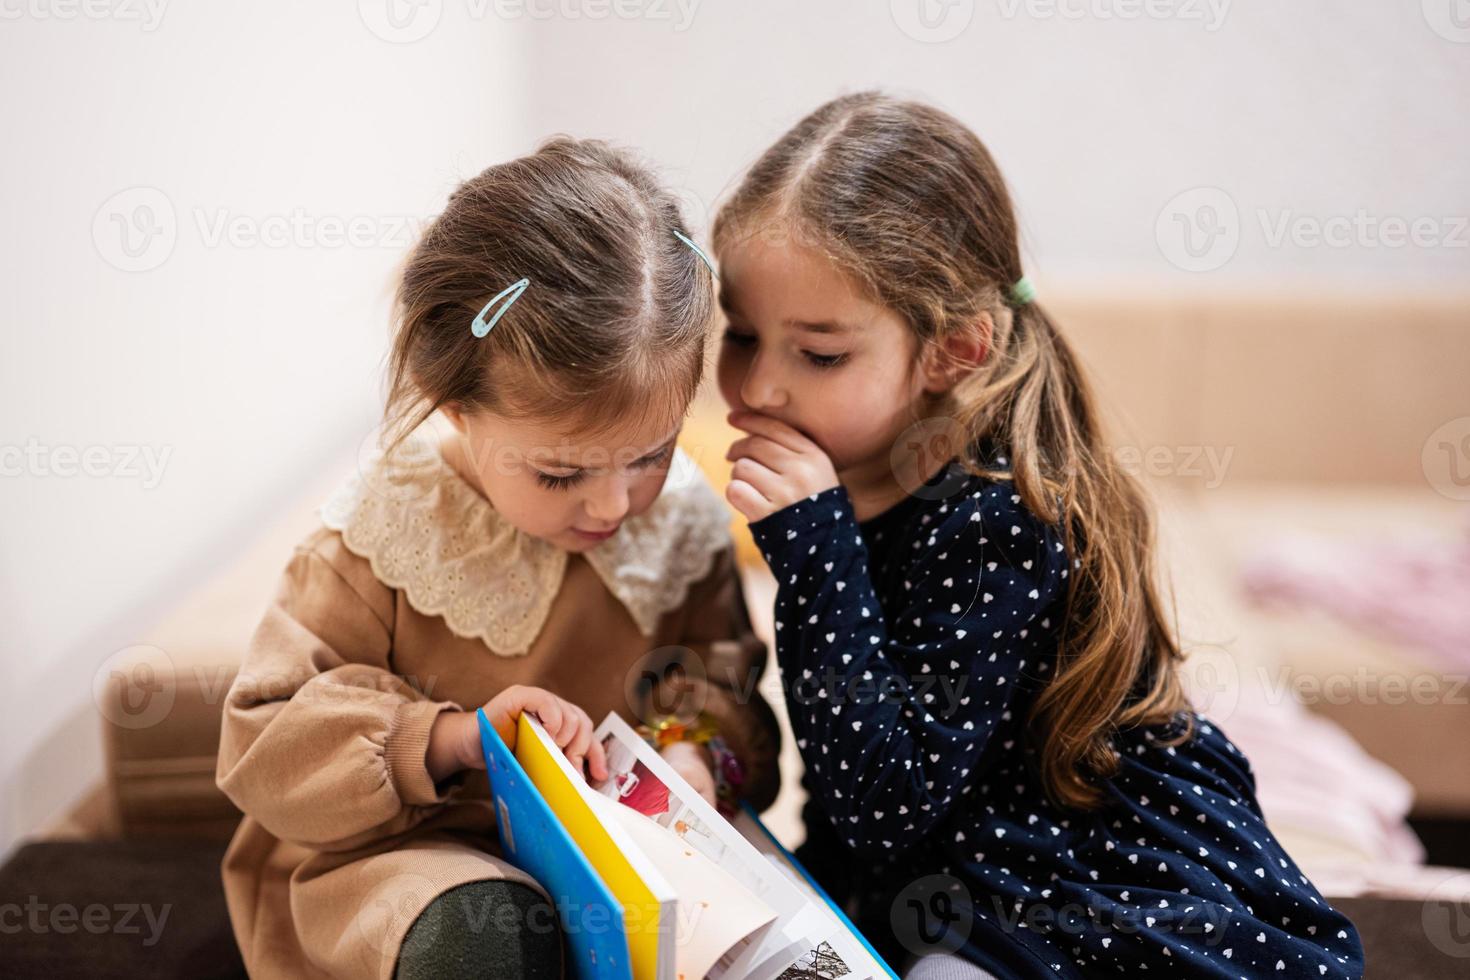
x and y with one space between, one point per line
1408 939
139 908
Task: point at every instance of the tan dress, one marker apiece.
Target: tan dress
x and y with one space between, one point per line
416 598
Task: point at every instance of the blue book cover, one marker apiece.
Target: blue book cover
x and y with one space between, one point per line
534 840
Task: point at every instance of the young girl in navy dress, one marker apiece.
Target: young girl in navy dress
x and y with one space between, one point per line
1004 771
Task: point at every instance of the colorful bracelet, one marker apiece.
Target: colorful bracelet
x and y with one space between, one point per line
728 773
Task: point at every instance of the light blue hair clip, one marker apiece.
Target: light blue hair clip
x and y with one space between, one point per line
1023 293
697 251
480 328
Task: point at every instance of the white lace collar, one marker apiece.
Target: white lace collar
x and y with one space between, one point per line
426 531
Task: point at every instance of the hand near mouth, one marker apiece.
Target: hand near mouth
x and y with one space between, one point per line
775 466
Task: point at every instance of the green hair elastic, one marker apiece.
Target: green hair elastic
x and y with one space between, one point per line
1022 292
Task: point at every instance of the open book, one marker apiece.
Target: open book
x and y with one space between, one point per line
650 882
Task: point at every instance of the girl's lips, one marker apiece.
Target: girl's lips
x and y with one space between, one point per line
596 535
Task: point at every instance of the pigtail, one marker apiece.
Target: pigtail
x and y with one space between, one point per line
1117 651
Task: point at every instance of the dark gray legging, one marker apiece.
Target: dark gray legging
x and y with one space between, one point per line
483 929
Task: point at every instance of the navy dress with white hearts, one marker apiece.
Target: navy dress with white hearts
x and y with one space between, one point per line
912 647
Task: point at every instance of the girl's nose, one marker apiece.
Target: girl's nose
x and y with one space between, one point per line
608 504
762 389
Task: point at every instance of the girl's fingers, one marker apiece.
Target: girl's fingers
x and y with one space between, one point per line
581 740
777 431
760 476
597 760
568 726
762 450
744 498
510 702
586 748
548 708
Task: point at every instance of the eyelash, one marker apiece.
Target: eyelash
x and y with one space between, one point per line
821 361
824 361
553 482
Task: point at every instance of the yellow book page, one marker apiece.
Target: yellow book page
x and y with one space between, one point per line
548 769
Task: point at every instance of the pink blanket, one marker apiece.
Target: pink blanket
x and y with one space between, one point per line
1414 592
1311 774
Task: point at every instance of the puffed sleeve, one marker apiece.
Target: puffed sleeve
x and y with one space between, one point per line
321 742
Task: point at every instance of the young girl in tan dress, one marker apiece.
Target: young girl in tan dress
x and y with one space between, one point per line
529 538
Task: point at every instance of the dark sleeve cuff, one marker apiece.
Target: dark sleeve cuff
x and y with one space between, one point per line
817 516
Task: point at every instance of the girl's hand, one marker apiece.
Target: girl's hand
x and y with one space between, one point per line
775 466
695 765
454 740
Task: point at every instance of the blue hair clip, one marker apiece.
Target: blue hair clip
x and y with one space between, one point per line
480 328
697 251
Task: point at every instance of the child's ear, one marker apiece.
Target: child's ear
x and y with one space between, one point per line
956 354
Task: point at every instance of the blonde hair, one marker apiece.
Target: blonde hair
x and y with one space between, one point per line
611 330
907 202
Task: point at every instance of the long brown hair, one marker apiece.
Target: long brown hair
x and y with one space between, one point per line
907 201
610 330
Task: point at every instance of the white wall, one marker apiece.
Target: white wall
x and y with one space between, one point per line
245 362
1309 111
